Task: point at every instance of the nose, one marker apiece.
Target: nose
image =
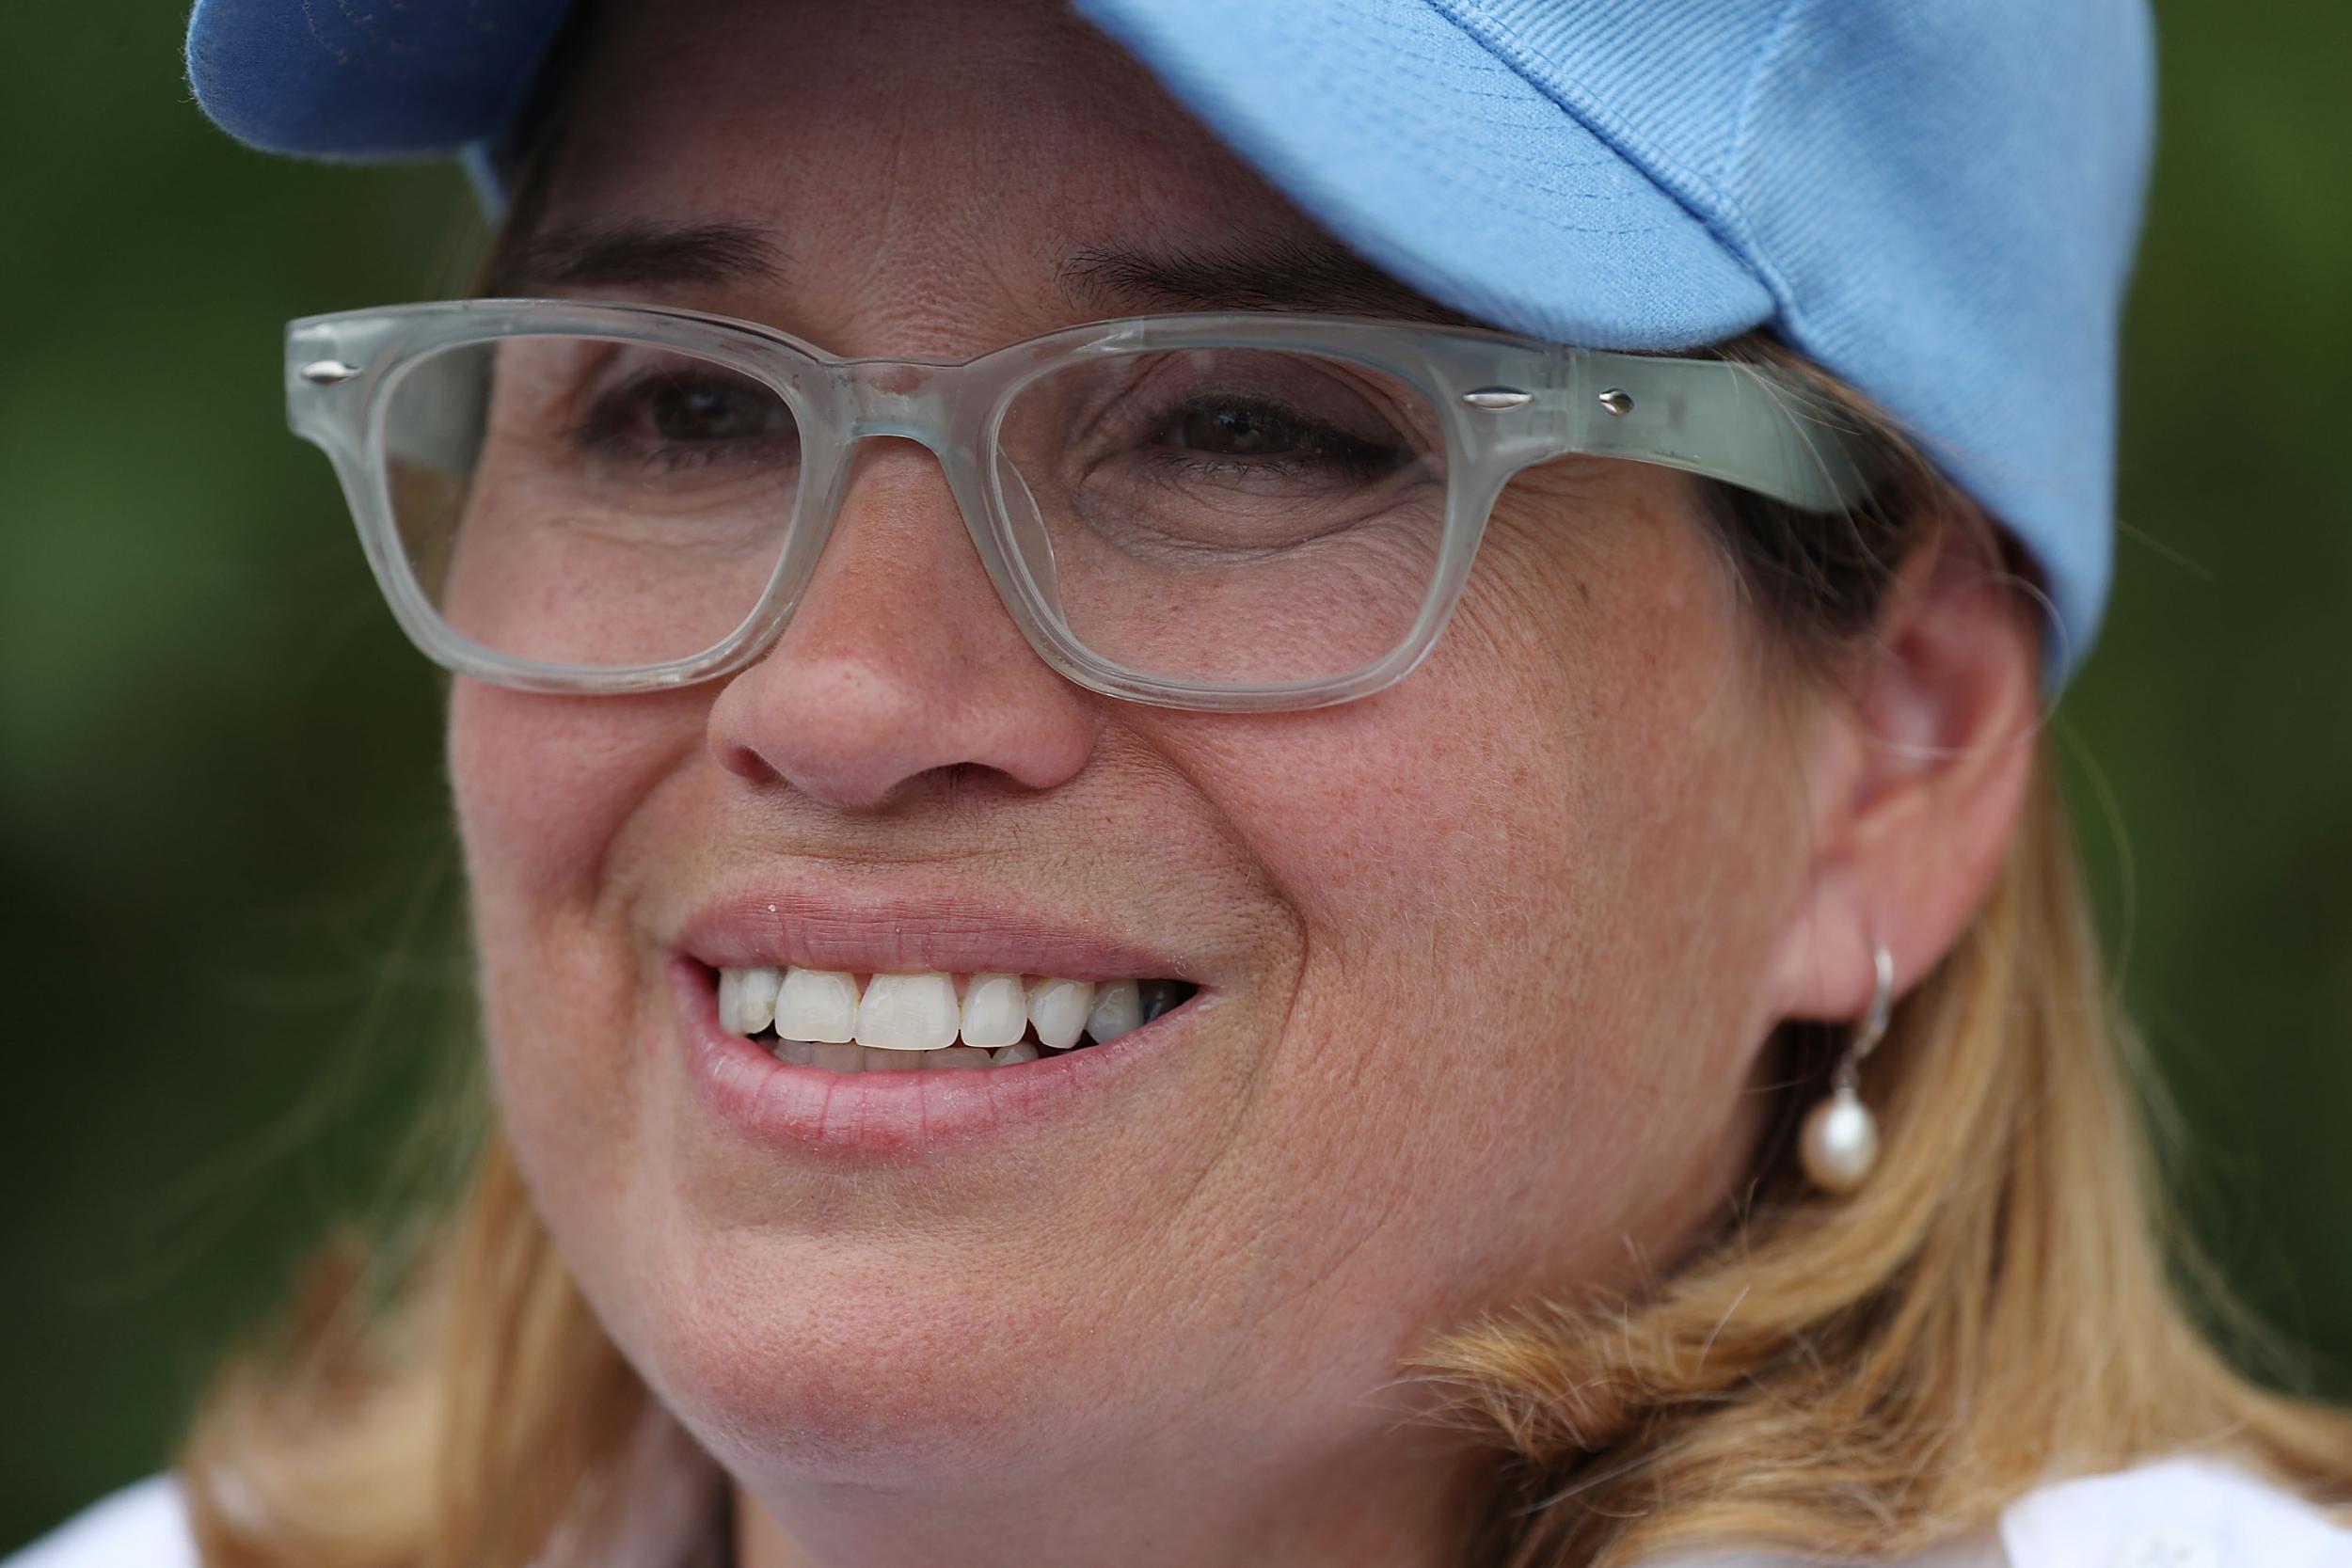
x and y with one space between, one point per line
899 664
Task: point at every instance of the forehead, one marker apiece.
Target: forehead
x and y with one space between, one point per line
925 170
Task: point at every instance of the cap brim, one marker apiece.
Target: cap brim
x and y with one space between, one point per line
1400 133
1432 158
408 80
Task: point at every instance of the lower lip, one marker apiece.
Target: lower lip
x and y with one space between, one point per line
884 1115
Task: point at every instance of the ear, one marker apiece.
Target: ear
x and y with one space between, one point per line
1918 760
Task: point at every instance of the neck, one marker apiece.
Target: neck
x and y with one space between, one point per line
1396 1508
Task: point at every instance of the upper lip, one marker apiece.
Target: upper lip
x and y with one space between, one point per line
752 928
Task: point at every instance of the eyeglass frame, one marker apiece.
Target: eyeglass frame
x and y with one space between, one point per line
1503 402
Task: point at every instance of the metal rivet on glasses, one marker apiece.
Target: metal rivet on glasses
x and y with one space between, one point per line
1497 398
326 373
1617 400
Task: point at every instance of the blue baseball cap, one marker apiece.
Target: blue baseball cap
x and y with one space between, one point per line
1936 200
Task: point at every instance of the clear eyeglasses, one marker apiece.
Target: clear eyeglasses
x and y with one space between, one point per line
1218 512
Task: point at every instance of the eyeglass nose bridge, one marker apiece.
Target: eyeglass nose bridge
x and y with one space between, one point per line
923 401
909 398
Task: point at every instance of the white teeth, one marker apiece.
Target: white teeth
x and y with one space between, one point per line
908 1012
1118 1008
747 1000
756 1001
901 1022
1057 1010
814 1005
995 1011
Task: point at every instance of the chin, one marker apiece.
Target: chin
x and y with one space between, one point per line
824 1368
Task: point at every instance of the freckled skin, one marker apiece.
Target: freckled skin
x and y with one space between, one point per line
1491 954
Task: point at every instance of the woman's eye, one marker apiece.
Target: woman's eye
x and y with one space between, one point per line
688 419
1245 431
1235 432
712 411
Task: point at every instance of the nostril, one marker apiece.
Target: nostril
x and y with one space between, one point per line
744 762
857 748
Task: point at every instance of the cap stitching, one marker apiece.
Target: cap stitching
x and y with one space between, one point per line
1514 201
1777 44
1689 189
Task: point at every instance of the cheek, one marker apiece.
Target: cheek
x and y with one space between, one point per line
1535 886
544 787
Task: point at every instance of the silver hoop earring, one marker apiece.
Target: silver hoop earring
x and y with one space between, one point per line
1840 1141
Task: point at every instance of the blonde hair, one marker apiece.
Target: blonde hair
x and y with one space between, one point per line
1858 1378
1872 1377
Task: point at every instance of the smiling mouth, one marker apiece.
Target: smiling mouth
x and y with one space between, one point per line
908 1021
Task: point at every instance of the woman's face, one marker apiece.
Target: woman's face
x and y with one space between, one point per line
1483 960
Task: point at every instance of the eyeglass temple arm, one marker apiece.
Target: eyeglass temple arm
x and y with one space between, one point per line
1738 423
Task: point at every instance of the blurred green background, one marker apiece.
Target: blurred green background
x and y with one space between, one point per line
230 890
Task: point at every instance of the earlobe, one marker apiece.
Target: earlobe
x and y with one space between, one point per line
1922 761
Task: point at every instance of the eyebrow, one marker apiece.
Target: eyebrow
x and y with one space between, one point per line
638 255
1284 275
1278 274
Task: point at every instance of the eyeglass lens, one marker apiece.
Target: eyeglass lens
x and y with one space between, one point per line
1208 514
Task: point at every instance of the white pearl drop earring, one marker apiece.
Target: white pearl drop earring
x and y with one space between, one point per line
1840 1141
